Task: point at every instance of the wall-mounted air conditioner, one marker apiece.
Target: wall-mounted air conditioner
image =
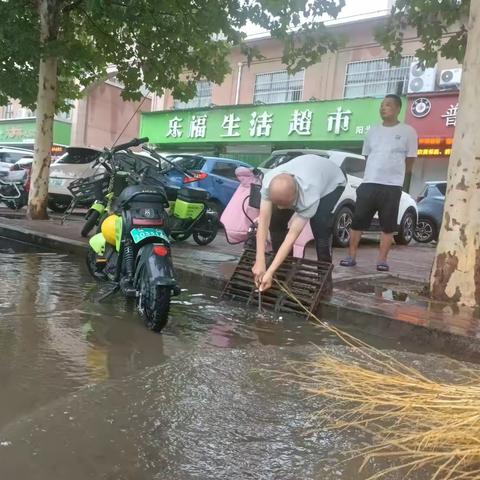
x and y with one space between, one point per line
421 79
450 78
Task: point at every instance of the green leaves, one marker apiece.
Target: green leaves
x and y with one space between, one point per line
439 24
151 42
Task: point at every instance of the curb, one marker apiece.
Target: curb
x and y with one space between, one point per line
52 242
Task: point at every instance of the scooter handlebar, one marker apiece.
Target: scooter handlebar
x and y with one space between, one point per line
132 143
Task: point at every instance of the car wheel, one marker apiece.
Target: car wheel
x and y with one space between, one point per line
341 227
406 230
425 231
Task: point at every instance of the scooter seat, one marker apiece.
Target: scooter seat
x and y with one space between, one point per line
193 194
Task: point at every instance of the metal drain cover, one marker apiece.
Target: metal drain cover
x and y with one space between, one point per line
306 279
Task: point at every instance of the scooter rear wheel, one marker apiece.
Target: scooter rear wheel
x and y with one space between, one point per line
180 237
208 232
153 304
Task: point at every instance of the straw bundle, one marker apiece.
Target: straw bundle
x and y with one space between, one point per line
418 422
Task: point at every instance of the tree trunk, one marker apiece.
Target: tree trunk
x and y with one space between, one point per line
456 271
46 101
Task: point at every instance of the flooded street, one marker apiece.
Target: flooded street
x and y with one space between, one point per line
88 393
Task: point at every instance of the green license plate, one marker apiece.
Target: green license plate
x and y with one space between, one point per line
139 234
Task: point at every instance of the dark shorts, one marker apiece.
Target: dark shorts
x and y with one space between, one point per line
373 198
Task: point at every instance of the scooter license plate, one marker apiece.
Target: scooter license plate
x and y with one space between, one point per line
139 234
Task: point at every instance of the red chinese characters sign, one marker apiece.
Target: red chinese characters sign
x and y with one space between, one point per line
434 118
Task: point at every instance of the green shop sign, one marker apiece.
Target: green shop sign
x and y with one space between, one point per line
337 120
23 131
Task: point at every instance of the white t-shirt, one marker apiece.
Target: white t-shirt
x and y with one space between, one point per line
387 148
316 177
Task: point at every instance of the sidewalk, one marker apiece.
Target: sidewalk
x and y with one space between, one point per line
385 304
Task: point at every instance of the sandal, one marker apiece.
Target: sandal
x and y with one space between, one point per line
348 262
382 267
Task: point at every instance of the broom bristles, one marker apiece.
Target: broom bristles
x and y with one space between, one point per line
418 422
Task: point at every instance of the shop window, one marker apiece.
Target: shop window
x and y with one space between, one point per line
203 97
354 166
278 87
376 78
224 169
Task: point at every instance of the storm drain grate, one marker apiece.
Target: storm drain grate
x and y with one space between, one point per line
306 279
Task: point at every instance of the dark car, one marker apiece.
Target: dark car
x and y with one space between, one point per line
430 212
215 174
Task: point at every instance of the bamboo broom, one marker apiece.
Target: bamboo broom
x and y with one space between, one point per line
419 423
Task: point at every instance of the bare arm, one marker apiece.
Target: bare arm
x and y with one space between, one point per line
409 164
264 219
296 227
263 226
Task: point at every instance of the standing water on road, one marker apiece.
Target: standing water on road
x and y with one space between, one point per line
88 393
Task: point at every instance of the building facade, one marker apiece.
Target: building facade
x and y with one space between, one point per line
98 119
337 98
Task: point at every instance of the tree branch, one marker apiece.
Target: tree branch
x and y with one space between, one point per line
72 6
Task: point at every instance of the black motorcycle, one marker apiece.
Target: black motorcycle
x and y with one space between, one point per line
133 248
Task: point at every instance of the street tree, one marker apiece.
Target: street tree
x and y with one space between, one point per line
51 50
451 28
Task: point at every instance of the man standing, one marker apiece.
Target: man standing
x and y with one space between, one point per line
390 150
309 186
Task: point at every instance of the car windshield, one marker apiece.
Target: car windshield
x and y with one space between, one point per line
187 162
79 156
281 158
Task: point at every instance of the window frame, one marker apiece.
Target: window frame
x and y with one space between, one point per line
286 91
197 100
225 162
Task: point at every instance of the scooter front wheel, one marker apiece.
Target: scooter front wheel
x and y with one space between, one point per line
92 219
92 265
153 304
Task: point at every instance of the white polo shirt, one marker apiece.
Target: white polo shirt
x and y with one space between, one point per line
387 149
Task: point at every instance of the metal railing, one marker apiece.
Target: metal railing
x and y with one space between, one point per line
278 87
374 78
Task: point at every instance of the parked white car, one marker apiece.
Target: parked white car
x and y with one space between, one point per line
77 162
354 167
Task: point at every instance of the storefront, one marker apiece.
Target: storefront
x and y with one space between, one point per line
251 132
434 117
21 133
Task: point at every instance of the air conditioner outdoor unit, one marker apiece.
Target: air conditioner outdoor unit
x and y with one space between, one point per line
450 78
421 79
